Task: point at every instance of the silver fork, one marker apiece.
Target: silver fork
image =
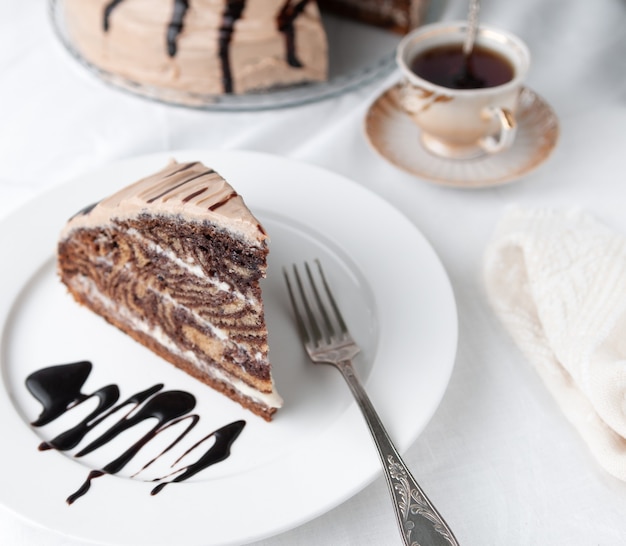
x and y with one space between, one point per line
327 340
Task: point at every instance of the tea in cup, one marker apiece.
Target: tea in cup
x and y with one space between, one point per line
464 105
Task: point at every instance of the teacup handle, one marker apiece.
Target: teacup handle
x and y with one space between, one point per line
411 97
506 135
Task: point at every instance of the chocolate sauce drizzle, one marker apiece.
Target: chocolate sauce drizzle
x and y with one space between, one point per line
194 194
184 167
226 199
285 22
182 183
59 389
176 25
108 9
232 12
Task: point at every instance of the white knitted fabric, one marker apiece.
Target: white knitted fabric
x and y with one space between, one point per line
557 280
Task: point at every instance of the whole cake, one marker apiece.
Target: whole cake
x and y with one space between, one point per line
213 47
175 260
202 46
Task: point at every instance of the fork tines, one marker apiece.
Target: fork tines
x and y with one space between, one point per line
317 315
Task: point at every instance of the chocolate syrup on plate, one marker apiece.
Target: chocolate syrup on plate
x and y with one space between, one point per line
59 389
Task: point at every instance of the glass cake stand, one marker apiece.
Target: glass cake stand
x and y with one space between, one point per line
359 55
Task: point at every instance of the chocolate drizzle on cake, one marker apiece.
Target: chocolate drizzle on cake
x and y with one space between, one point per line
59 389
184 167
174 28
191 178
232 13
221 203
175 187
176 25
194 194
107 13
285 22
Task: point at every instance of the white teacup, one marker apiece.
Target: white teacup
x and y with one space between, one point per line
462 123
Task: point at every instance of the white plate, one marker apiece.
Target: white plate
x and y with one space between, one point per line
317 452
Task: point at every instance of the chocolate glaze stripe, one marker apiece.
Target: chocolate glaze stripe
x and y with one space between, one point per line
232 13
107 13
174 28
221 203
176 25
183 167
180 184
59 389
194 194
285 21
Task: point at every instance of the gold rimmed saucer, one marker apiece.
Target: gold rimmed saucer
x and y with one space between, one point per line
393 134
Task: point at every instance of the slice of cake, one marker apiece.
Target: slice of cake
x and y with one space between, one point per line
174 260
400 16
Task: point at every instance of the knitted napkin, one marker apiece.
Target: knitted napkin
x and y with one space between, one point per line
557 280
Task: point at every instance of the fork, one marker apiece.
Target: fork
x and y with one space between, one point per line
327 340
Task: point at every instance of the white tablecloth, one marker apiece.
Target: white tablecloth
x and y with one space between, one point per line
498 458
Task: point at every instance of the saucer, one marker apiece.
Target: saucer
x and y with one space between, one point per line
392 133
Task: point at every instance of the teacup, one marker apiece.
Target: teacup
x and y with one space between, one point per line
466 122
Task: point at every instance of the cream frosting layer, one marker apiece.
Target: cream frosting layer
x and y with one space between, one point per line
191 190
202 46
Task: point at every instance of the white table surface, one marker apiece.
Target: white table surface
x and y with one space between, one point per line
498 458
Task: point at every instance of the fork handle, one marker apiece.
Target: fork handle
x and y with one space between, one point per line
417 518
